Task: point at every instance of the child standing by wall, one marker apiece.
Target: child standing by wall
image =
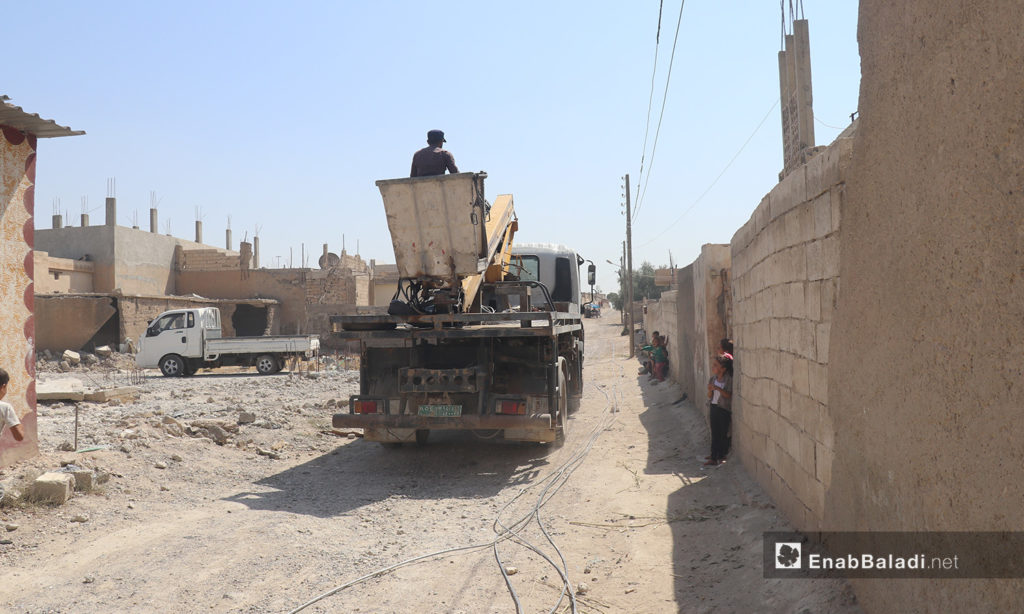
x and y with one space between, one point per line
720 395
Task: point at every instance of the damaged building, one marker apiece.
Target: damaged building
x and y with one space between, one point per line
101 285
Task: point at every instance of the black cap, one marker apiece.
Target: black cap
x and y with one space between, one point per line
434 136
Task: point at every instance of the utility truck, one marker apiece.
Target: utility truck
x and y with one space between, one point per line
481 335
182 341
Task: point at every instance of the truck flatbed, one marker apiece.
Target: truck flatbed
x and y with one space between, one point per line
455 326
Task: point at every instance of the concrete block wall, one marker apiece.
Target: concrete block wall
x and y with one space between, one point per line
785 280
207 260
710 314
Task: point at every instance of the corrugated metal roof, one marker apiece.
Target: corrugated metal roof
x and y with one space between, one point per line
31 123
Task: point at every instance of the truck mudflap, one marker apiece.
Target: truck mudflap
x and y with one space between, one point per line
376 426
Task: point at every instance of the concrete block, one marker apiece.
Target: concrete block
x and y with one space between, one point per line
837 196
795 263
120 393
762 214
821 208
822 333
73 358
823 456
815 268
806 457
806 344
829 294
794 234
800 382
826 432
53 487
818 381
742 236
68 389
788 193
83 479
823 170
786 407
812 300
805 218
795 307
830 256
844 154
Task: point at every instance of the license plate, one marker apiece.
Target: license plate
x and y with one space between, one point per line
440 411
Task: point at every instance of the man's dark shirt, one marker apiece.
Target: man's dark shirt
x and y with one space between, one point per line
432 161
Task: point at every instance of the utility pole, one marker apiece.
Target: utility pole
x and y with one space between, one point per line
622 269
629 270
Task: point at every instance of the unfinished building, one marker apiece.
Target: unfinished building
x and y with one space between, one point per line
101 285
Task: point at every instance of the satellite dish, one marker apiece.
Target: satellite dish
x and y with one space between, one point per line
329 260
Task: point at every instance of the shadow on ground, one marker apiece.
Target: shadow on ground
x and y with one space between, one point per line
359 472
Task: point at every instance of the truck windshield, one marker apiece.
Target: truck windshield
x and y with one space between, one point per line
168 322
528 269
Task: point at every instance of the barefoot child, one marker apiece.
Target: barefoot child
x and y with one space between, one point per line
720 395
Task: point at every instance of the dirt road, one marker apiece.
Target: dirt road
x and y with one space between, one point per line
623 511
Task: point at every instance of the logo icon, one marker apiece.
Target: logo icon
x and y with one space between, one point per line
787 555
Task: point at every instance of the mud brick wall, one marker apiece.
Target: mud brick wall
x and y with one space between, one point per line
785 277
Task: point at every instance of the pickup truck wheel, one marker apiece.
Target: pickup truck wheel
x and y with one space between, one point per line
172 365
266 364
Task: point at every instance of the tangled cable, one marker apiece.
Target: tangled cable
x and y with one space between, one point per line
552 483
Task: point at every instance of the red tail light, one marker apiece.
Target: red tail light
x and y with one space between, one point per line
511 407
364 407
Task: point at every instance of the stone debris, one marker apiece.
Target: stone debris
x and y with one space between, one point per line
582 588
246 417
176 458
89 359
64 366
268 453
88 580
72 358
104 351
160 465
52 487
80 518
10 526
511 570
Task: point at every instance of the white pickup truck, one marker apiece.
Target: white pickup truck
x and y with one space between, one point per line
182 341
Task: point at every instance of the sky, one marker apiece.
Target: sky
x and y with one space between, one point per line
283 115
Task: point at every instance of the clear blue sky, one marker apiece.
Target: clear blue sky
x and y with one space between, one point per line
282 115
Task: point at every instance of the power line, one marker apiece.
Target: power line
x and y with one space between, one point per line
661 114
705 193
650 100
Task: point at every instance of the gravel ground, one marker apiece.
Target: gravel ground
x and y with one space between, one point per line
203 514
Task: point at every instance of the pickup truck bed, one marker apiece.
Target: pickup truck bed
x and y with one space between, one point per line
266 345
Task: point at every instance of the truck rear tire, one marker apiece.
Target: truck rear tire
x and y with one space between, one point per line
172 365
561 419
266 364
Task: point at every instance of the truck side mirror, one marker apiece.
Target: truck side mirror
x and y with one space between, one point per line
591 275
